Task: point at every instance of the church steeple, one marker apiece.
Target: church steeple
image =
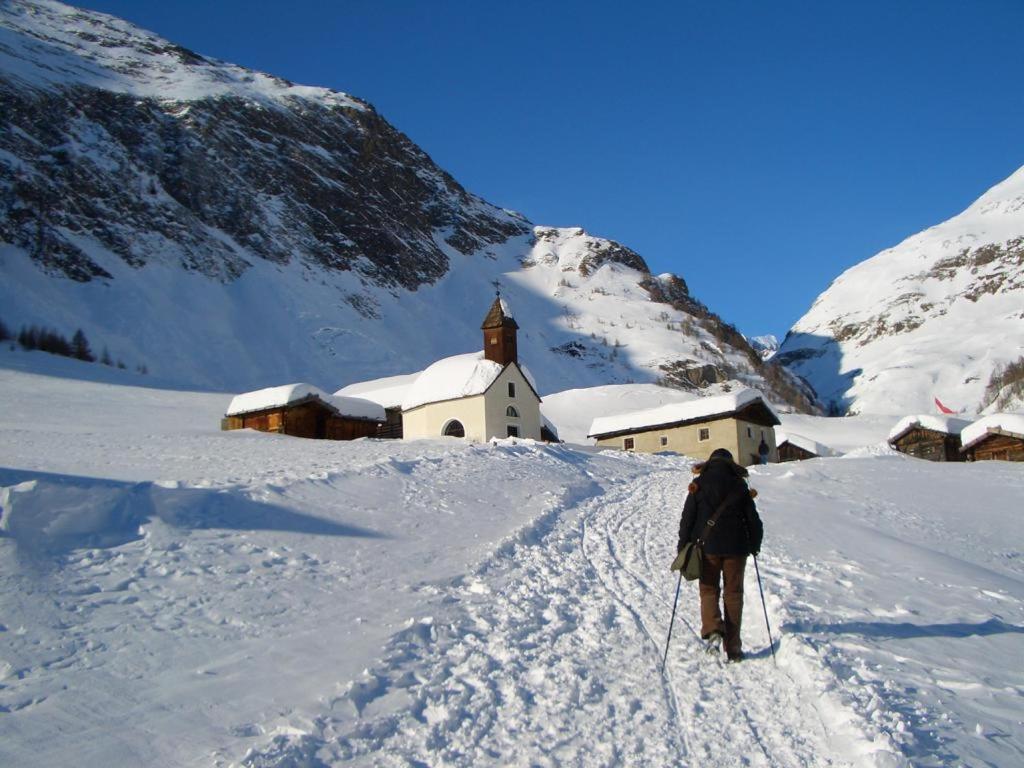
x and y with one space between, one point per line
499 329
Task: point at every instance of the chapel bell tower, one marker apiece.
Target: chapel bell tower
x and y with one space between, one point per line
499 329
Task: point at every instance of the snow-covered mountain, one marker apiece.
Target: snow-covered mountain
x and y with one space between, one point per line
934 317
229 229
766 346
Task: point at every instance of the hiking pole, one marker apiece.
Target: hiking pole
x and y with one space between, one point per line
673 621
771 643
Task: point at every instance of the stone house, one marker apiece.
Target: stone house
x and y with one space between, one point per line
737 421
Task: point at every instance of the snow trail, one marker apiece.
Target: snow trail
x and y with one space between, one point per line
549 654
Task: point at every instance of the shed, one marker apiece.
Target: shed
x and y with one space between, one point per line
794 447
997 437
929 436
737 421
302 410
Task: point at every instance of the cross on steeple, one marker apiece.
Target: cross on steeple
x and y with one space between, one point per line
497 286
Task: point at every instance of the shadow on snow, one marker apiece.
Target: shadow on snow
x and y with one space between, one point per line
58 513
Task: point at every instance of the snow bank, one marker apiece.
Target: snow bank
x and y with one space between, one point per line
58 517
949 425
705 407
289 394
453 377
1006 422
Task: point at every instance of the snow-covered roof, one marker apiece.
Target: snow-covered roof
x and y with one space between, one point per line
674 413
450 378
388 392
806 443
949 425
289 394
546 422
1004 422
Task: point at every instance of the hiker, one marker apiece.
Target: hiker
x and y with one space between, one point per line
762 451
737 533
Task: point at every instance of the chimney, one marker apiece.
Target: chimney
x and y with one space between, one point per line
499 329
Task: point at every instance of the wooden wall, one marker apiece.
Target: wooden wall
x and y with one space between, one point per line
930 445
790 452
309 420
998 448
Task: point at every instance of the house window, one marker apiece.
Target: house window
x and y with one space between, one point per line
511 412
511 389
762 434
664 441
750 432
494 340
627 443
705 434
513 430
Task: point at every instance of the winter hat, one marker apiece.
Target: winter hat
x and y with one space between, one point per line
720 453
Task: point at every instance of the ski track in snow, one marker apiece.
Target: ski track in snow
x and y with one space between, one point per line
550 655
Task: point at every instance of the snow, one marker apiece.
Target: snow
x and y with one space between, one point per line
46 44
453 377
700 408
388 392
806 443
1006 422
574 410
950 425
845 434
277 397
175 595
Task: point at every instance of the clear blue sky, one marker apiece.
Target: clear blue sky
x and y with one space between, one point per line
757 149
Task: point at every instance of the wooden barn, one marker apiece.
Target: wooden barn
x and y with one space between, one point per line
999 437
930 437
302 410
793 447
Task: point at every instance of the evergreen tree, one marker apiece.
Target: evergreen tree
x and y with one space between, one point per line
5 334
120 364
28 337
106 359
80 347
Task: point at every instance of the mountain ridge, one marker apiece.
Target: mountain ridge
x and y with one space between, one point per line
237 230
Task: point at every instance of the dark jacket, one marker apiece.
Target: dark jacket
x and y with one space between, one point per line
739 530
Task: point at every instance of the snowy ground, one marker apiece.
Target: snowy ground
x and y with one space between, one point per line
174 595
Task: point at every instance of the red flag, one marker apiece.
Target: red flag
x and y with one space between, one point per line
941 407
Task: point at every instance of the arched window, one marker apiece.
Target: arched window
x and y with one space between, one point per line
454 428
511 412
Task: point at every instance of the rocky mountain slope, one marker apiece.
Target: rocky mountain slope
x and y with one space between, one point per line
230 229
941 315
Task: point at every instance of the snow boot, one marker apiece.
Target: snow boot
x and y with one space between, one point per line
713 643
735 658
